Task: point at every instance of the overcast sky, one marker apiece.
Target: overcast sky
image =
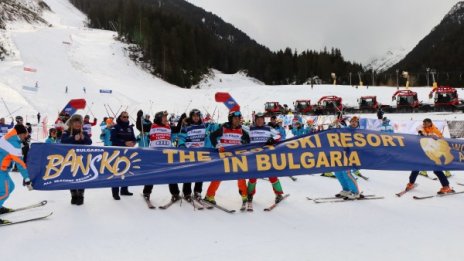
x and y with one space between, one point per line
362 29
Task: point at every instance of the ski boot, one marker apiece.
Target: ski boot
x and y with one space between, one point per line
446 190
4 210
210 199
409 186
4 222
278 198
343 194
423 173
175 198
197 196
188 198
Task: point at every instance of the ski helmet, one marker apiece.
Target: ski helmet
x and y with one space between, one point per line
195 112
233 114
259 115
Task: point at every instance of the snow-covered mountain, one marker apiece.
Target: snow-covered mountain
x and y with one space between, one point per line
69 54
384 62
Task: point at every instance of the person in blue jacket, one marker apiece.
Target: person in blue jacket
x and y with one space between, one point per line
52 136
122 134
74 134
350 189
192 135
5 127
299 129
386 126
10 151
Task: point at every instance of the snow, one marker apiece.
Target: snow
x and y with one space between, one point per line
105 229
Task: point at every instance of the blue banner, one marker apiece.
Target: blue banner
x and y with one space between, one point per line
55 166
106 91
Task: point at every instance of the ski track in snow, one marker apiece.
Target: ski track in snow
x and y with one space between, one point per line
105 229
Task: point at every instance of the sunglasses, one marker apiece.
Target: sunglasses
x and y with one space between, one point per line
124 117
237 114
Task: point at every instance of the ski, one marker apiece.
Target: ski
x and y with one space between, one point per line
460 184
166 206
362 176
40 204
206 203
249 206
437 195
405 191
329 198
293 178
428 177
199 201
271 207
14 222
148 202
346 199
195 205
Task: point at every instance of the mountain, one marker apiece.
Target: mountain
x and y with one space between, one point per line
386 61
181 43
442 49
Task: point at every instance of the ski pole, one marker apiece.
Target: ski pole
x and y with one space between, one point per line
114 115
107 113
188 106
13 112
8 110
90 109
120 107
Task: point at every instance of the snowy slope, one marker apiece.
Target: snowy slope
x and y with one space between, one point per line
104 229
383 63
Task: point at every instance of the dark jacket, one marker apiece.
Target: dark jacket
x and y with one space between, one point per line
68 138
122 132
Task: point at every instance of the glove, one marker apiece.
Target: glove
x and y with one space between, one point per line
183 116
139 114
220 148
27 183
270 141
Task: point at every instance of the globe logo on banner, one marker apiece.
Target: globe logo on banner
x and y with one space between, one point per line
438 151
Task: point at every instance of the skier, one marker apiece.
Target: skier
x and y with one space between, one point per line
38 118
230 133
107 132
386 127
259 133
60 123
161 137
87 127
429 130
66 89
192 135
299 129
348 182
144 126
5 127
380 113
10 145
75 135
122 134
51 136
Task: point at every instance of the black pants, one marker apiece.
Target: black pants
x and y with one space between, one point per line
147 189
440 175
25 151
115 190
77 192
186 188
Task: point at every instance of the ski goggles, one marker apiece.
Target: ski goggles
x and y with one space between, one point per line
236 114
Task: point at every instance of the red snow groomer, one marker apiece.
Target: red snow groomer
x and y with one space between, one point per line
368 104
273 108
445 99
329 105
303 106
406 101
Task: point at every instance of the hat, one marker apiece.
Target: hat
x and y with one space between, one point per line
74 118
279 121
259 115
109 121
19 118
310 121
20 129
354 118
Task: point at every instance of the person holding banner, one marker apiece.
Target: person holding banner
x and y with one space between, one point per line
75 135
229 134
5 127
259 133
122 134
10 151
428 129
350 189
161 137
192 135
386 126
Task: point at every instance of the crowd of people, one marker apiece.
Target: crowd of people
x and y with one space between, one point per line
188 131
